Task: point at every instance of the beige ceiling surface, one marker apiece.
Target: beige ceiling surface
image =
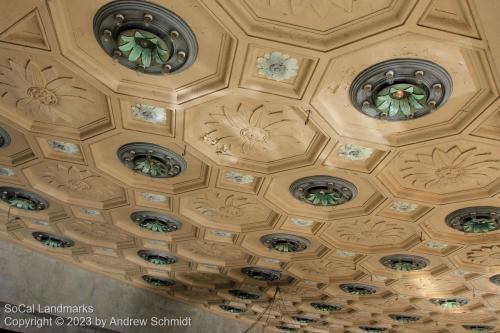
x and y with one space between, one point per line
245 138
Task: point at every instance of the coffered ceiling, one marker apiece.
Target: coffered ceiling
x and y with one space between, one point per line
345 150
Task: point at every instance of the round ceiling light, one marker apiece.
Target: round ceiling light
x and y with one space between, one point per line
155 222
323 190
495 279
52 241
241 294
326 307
4 138
22 199
285 243
286 328
372 329
450 303
404 263
231 309
304 319
145 37
400 89
358 289
405 319
474 219
261 274
157 258
158 281
151 160
479 328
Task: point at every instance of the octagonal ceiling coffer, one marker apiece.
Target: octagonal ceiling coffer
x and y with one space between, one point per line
479 328
285 243
22 199
4 138
232 309
405 319
155 222
323 190
151 160
358 289
404 263
52 241
145 37
400 89
157 258
474 219
450 303
261 274
158 281
326 307
241 294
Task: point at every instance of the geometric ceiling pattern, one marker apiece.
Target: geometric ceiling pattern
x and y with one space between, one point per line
213 181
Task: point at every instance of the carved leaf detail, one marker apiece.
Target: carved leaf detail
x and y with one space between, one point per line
212 249
370 231
484 255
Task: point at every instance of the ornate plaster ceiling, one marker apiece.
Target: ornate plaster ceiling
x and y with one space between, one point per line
238 134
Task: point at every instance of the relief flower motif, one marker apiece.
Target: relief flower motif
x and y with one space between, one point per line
444 168
373 231
143 47
150 113
239 178
354 152
43 94
63 147
484 255
277 66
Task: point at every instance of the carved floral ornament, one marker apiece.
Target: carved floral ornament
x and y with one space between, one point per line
42 94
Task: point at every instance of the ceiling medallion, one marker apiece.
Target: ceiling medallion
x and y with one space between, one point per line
479 328
354 152
155 222
405 319
4 138
325 307
285 243
7 172
277 66
372 329
158 281
63 147
244 294
495 279
475 219
400 89
151 160
261 274
358 289
150 113
145 37
157 258
53 241
449 303
404 263
231 309
323 190
23 199
286 328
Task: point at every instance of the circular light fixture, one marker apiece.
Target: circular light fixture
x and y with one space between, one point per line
155 222
304 320
157 258
286 328
326 307
244 294
285 243
52 241
4 138
358 289
323 190
232 309
405 319
261 274
474 219
450 303
404 263
479 328
495 279
372 329
145 37
400 89
22 199
158 281
151 160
